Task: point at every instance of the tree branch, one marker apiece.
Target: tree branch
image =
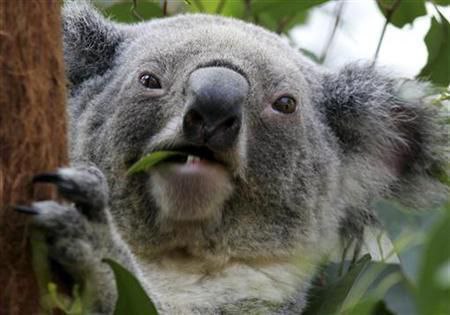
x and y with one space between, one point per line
135 12
339 9
165 8
283 22
389 12
220 6
248 10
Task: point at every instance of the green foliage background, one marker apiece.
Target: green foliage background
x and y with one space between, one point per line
282 15
420 282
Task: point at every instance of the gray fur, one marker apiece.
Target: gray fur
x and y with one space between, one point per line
294 183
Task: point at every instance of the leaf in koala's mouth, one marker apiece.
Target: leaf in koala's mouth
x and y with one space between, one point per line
151 159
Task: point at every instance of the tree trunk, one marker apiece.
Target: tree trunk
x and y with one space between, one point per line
32 134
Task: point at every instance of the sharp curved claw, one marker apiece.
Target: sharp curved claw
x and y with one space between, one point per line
25 209
47 178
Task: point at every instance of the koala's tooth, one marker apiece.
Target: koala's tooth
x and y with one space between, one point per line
192 159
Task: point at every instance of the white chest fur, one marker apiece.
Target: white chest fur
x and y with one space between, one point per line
184 289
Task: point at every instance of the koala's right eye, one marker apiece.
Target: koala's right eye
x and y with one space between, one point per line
149 81
285 104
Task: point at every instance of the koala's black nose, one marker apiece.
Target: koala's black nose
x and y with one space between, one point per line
214 113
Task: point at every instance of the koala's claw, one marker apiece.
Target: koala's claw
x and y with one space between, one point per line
84 186
66 187
46 178
25 209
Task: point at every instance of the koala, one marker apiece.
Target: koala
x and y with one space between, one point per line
280 160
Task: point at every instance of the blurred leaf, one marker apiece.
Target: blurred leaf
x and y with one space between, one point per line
330 299
232 8
438 45
433 298
369 306
150 160
381 309
280 8
132 299
123 12
441 2
442 276
41 265
41 268
406 229
381 289
281 15
406 11
67 305
281 24
399 299
381 282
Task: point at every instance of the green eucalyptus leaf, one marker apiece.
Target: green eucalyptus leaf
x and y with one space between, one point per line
331 299
281 15
406 11
406 229
441 2
67 305
281 8
438 45
151 160
41 268
381 288
399 299
377 283
433 297
369 306
223 7
132 298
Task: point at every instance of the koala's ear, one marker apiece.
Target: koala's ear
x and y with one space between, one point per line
390 136
90 41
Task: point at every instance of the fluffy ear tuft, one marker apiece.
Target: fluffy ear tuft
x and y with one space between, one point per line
90 41
391 137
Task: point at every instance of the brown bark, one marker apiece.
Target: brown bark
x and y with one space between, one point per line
32 134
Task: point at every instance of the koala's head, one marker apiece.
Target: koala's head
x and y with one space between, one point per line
275 150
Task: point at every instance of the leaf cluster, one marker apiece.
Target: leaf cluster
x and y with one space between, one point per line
282 15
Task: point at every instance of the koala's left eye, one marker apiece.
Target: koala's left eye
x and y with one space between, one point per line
149 81
285 104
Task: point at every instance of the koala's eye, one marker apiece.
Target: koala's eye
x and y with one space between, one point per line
285 104
149 81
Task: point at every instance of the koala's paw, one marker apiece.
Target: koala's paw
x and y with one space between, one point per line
76 231
85 186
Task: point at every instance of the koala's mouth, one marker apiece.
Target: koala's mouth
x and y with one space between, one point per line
191 184
192 154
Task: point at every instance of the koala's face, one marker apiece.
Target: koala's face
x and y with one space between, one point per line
256 169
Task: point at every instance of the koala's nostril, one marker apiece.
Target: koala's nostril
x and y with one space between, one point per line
229 123
192 119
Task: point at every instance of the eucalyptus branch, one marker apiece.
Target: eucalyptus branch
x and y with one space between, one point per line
389 12
283 22
165 8
338 16
248 10
135 12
